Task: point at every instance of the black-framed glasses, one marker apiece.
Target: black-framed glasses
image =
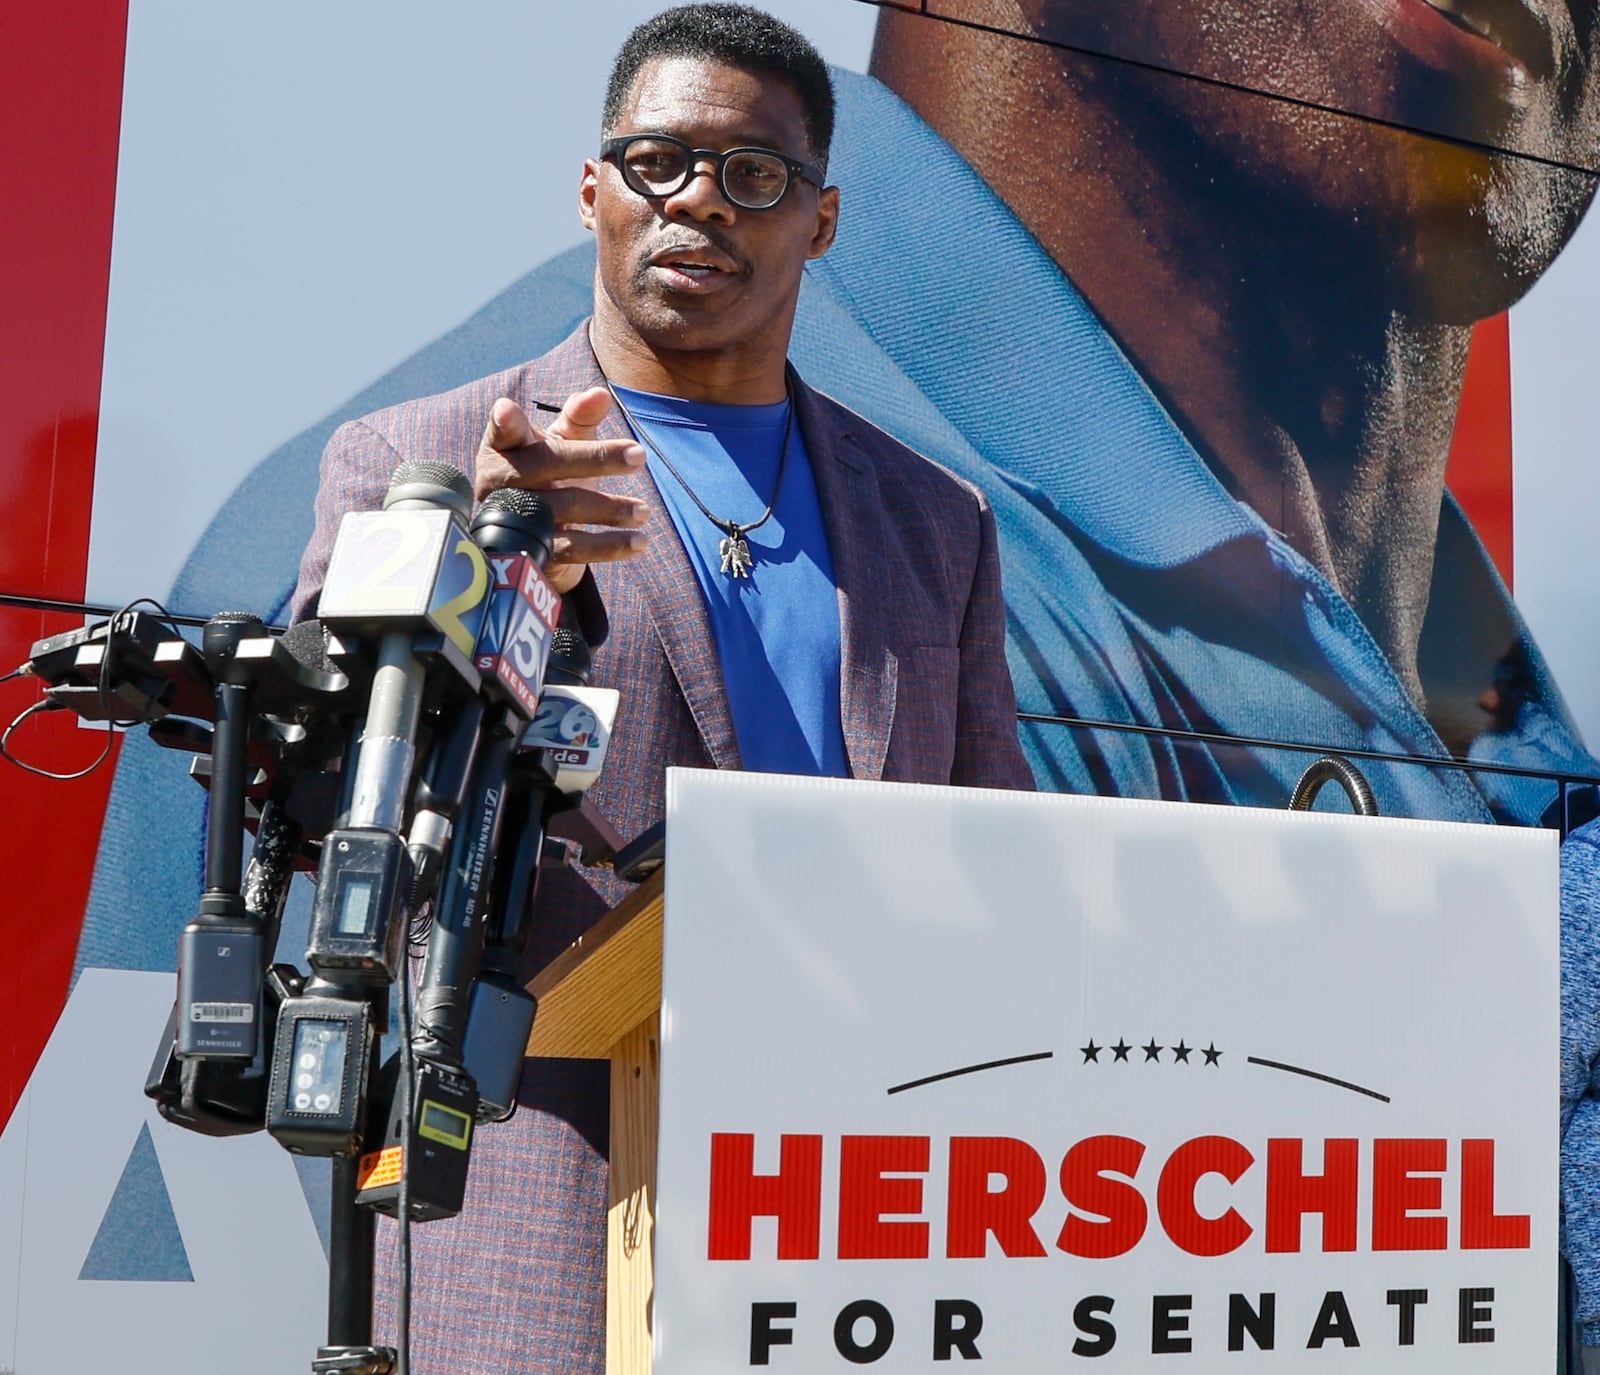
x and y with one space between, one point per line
660 165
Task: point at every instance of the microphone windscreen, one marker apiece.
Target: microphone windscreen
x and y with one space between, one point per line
570 660
513 519
434 484
517 500
307 643
222 634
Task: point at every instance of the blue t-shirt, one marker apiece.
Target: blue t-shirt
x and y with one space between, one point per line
776 631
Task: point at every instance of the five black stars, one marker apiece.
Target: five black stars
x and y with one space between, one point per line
1152 1052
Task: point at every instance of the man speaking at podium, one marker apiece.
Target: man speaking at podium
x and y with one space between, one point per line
789 589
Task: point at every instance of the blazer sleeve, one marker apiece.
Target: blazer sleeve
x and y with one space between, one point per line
988 750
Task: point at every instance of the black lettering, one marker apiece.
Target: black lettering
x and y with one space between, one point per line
1169 1315
844 1331
1258 1322
1089 1317
956 1325
1333 1320
1472 1318
1407 1300
763 1335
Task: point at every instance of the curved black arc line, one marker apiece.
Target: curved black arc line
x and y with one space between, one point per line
1312 1074
973 1069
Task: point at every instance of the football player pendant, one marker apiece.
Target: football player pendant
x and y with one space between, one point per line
735 551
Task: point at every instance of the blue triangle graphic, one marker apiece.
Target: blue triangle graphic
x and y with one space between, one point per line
139 1237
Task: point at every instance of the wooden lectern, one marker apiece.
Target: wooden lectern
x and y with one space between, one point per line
601 1000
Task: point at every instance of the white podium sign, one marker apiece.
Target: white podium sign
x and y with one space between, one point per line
1043 1083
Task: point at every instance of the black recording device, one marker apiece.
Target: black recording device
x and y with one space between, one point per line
133 667
364 880
428 1140
317 1096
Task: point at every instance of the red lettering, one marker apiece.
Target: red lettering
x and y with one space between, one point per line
1291 1194
1086 1185
865 1196
1482 1229
1198 1235
975 1210
739 1195
1405 1179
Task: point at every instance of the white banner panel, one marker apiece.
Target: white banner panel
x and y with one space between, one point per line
1046 1081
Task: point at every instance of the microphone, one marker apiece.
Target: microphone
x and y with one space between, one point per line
463 792
502 1011
204 1092
411 578
573 723
516 529
220 956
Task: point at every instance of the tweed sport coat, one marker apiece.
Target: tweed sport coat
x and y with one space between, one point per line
516 1282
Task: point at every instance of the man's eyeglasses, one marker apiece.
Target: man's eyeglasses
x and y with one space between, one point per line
660 165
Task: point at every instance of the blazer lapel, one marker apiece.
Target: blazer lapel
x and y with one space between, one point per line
852 511
661 576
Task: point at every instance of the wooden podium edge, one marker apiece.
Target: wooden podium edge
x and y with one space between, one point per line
597 990
601 999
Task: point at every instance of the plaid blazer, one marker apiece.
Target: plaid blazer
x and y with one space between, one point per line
516 1282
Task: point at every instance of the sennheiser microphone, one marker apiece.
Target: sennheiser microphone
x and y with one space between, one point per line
516 529
500 1010
220 955
295 700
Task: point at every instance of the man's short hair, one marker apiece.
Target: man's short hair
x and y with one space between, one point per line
736 36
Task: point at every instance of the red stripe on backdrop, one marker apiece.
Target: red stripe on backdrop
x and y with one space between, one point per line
1479 474
49 832
60 113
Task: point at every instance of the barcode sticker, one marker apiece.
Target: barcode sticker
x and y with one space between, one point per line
222 1012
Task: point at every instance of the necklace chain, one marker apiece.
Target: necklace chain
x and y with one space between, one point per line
735 549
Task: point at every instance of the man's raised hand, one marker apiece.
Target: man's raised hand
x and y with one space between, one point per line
563 462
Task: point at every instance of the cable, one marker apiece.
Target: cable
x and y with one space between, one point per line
1239 88
46 704
403 1089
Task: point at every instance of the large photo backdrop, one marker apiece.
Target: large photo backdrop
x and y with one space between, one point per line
1209 300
